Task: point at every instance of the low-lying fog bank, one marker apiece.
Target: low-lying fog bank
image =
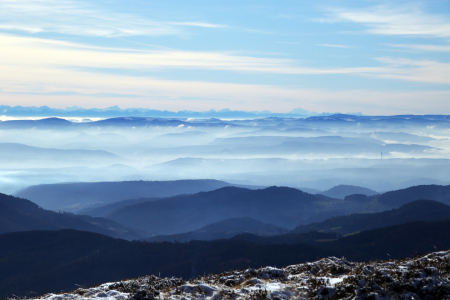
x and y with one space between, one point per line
381 153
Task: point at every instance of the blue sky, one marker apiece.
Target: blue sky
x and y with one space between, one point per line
375 57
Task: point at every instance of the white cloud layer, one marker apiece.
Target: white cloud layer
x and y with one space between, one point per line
29 53
42 70
36 52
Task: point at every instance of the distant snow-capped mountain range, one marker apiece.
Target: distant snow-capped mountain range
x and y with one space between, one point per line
115 111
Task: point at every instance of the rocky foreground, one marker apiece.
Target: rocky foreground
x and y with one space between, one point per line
424 277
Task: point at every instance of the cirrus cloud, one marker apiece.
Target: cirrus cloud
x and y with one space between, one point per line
83 19
394 20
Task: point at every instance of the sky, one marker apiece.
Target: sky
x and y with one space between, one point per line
374 57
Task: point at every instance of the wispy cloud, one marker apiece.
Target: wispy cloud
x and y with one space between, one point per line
424 48
416 70
333 46
394 20
44 53
78 18
198 24
25 52
39 68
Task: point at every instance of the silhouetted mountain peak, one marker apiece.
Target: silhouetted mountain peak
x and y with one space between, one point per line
429 192
423 206
17 203
54 120
342 190
18 214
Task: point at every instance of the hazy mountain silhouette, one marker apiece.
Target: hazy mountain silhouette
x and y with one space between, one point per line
223 229
24 152
47 123
341 191
105 210
281 145
419 210
18 214
403 196
280 206
378 175
420 181
76 196
400 137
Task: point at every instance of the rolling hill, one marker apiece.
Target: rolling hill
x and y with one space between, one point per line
223 229
341 191
76 196
430 192
419 210
18 214
105 210
280 206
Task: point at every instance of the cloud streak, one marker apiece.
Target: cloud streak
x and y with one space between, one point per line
423 48
42 53
333 46
77 18
417 70
389 20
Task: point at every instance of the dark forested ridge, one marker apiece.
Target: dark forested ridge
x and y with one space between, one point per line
429 192
312 237
397 241
280 206
419 210
76 196
48 261
45 261
18 214
223 229
243 224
